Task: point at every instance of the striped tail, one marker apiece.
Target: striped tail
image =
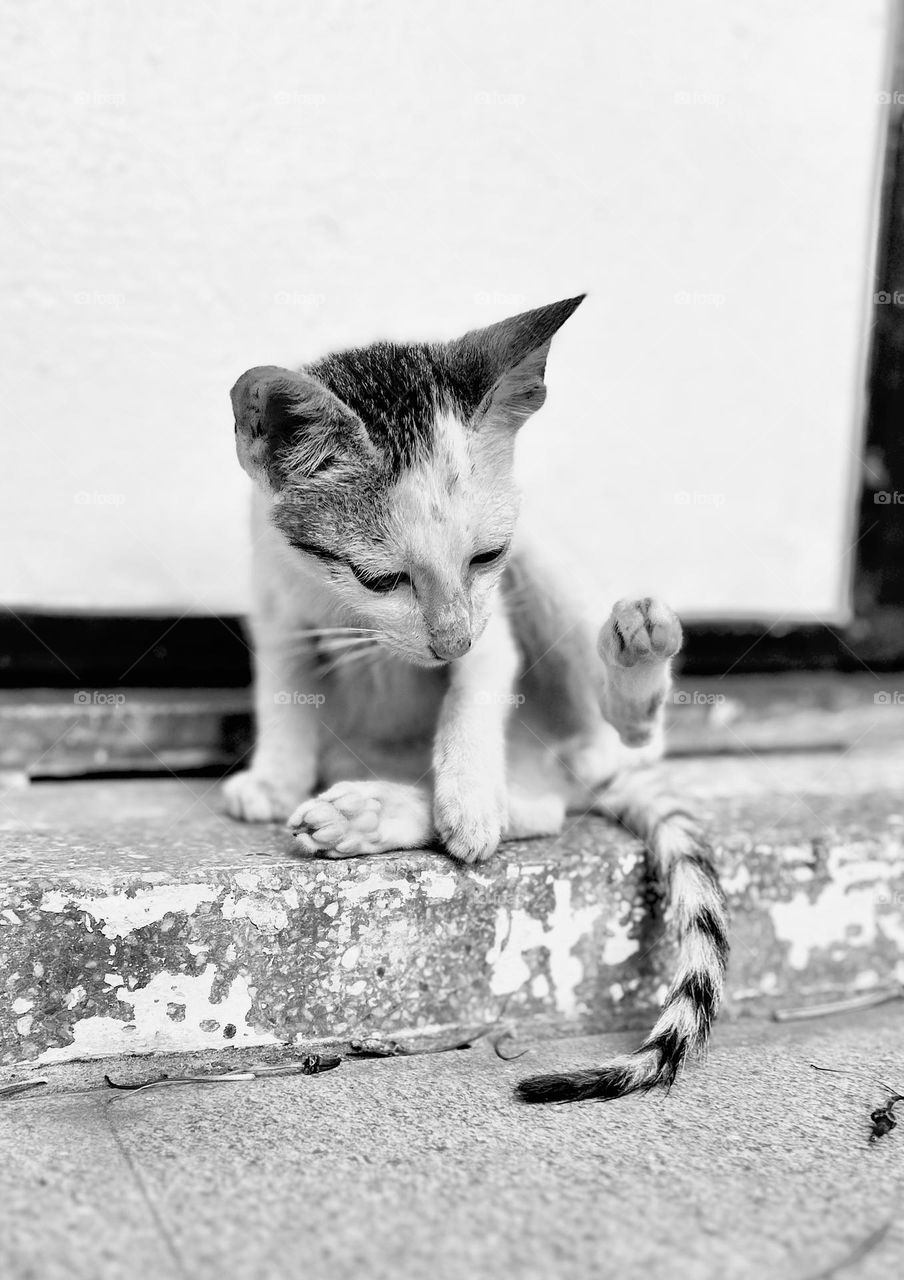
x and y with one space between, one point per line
681 859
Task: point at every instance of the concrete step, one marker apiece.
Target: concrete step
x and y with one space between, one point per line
135 917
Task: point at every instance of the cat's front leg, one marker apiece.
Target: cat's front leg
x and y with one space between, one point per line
637 644
287 706
469 795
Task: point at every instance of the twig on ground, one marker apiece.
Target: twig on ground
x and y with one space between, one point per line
500 1040
312 1065
838 1006
230 1077
19 1086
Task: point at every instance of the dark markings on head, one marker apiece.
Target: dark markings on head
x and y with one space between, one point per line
398 390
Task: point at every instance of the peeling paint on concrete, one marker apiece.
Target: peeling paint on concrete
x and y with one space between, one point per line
147 1025
352 892
850 909
567 925
517 932
264 912
437 885
122 913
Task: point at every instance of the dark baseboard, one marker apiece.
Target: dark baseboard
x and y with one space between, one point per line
72 651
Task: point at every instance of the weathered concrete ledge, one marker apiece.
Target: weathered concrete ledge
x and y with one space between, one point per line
135 917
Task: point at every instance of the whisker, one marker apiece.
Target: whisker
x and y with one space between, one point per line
352 642
317 632
361 656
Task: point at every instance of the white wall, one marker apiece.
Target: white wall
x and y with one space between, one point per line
196 188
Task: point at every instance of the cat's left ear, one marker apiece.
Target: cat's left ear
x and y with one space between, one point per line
509 361
288 426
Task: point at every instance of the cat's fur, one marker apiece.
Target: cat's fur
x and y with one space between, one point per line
473 705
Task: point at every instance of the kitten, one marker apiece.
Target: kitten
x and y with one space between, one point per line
420 675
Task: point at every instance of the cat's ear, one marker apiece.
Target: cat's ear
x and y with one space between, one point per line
510 360
289 426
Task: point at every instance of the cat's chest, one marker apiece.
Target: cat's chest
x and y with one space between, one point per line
380 698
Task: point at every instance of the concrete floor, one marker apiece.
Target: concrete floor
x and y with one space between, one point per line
754 1166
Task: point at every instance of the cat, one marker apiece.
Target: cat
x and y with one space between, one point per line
421 676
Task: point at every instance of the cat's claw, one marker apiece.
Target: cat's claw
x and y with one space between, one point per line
640 631
352 819
252 797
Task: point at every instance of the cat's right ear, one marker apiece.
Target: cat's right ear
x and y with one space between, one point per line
289 426
509 359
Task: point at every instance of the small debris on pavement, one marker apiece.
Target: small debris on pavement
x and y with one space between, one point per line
374 1047
883 1118
313 1065
377 1047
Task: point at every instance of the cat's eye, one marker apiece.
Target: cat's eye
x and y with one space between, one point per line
488 557
382 583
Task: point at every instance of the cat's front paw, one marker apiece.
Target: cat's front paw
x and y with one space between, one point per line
469 815
253 797
640 631
356 818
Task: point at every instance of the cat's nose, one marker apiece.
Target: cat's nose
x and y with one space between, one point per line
448 648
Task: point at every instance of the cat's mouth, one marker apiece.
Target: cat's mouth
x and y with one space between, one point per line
416 657
428 660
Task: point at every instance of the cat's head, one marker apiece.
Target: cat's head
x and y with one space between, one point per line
390 473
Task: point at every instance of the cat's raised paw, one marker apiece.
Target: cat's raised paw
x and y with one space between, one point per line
640 631
352 819
252 797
